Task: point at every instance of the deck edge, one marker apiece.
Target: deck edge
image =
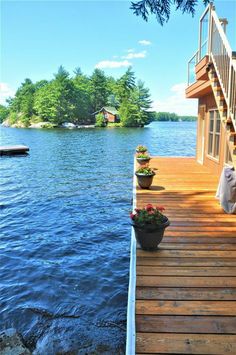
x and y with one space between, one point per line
130 327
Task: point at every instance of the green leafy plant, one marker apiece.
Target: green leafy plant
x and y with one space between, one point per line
100 120
148 215
145 170
141 148
143 156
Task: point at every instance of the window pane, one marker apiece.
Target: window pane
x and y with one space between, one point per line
217 146
210 143
218 126
211 121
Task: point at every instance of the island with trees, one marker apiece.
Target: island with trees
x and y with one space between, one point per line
75 100
79 100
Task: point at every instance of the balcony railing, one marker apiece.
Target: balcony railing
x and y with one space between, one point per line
214 43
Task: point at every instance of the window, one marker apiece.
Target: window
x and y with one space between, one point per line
214 134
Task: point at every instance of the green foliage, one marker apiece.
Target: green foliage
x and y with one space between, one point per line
100 120
141 148
82 97
145 171
167 116
74 100
55 102
4 112
148 215
98 90
114 124
125 85
12 118
162 8
143 156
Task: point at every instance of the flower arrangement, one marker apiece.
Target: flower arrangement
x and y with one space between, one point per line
145 170
141 149
149 215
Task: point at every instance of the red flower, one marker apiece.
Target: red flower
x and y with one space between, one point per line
151 211
137 210
160 208
132 215
149 207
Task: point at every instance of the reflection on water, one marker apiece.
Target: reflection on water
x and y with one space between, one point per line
64 243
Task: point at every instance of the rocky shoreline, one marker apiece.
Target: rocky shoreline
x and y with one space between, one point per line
11 343
46 125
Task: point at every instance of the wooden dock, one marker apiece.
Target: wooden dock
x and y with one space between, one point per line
186 291
13 149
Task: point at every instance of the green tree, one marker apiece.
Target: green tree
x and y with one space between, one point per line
129 114
125 85
98 90
83 101
141 97
56 101
4 112
162 8
23 102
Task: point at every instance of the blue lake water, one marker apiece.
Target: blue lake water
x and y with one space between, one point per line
65 233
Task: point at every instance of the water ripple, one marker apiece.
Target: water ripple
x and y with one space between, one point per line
64 251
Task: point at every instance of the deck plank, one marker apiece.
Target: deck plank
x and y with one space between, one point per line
186 291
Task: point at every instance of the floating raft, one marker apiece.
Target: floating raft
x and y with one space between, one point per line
13 149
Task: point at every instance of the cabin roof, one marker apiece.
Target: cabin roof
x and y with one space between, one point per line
109 109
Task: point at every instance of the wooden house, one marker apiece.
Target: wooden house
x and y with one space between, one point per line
110 114
212 80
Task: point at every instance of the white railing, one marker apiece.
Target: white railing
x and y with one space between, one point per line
222 57
214 43
191 68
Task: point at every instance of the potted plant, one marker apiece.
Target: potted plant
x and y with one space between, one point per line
141 149
149 226
145 177
143 158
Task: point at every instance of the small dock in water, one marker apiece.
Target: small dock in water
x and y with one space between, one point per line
13 149
182 297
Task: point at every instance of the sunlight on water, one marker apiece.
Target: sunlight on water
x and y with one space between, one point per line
65 233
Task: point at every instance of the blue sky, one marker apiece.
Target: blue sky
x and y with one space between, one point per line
38 36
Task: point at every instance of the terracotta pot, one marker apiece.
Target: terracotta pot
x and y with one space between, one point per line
150 236
144 181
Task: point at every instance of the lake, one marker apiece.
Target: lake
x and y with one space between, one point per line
65 232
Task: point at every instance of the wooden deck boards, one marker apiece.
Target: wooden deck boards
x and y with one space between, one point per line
186 291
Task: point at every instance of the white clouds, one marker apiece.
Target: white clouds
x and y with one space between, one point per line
132 55
144 42
112 64
5 92
177 102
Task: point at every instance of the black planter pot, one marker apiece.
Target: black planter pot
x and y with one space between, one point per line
144 181
141 152
150 236
143 161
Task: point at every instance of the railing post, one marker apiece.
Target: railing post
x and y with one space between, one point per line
210 29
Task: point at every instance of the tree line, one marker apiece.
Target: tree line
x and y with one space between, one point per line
75 99
167 116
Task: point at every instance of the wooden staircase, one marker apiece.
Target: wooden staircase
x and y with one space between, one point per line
224 112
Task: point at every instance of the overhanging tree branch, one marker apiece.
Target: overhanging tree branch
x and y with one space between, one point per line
162 8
